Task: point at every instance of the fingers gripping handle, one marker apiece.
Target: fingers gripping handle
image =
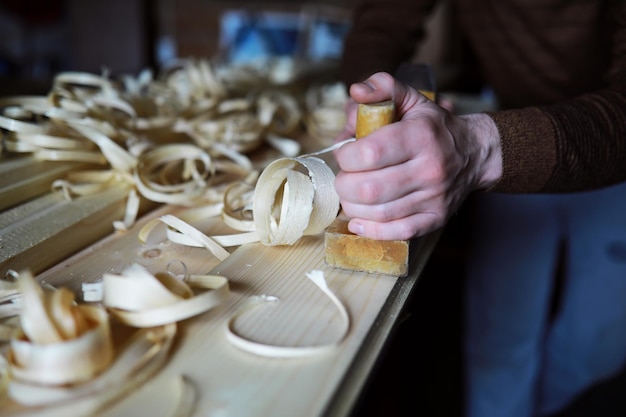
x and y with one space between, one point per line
370 117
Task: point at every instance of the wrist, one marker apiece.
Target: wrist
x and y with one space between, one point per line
483 132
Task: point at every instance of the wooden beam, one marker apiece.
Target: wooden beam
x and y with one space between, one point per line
44 231
24 177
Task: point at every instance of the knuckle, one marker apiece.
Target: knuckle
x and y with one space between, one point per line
427 126
436 175
369 192
370 153
439 174
384 78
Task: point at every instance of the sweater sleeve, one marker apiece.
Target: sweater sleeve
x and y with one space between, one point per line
384 33
574 145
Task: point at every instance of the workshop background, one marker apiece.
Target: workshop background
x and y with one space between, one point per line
39 38
421 372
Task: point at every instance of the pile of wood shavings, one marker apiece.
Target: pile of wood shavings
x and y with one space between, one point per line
180 138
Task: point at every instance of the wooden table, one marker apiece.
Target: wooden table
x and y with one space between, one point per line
39 233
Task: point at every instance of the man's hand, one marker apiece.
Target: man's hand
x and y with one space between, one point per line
406 179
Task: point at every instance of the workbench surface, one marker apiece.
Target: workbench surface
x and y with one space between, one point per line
70 242
225 379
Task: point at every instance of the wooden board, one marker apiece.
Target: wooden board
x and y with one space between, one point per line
231 381
69 243
23 177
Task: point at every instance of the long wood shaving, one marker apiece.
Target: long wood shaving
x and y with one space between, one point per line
275 351
174 173
181 232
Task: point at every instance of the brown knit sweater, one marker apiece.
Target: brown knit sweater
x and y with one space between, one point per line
558 67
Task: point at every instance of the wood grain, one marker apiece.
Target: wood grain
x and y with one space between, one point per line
24 177
237 383
68 243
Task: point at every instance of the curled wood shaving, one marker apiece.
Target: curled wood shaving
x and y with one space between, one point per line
61 355
279 112
140 299
237 208
293 197
138 360
62 358
174 173
325 116
181 232
59 341
275 351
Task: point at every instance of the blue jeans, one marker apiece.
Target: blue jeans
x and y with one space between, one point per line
534 342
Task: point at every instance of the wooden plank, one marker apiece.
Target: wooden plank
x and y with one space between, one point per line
237 383
24 177
44 231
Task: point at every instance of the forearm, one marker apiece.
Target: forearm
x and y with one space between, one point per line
528 149
591 142
576 145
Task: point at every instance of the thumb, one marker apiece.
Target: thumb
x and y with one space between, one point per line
382 86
